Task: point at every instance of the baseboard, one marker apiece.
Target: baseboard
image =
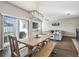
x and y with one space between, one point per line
69 35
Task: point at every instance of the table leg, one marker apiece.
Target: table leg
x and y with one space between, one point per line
30 51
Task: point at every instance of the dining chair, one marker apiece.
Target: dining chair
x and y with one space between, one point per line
16 50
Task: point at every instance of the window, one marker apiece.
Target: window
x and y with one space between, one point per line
14 27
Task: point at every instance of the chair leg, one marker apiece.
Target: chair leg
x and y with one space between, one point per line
54 52
12 55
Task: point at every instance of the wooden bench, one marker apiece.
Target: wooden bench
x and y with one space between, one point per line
46 50
76 44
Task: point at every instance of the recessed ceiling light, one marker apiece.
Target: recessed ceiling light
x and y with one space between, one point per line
68 13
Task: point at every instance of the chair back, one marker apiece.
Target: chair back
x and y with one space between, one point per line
14 46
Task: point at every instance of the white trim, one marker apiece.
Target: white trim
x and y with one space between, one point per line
2 32
23 18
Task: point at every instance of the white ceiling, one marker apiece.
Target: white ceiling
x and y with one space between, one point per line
51 9
59 9
27 5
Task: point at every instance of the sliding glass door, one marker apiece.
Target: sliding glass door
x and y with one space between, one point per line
15 27
10 24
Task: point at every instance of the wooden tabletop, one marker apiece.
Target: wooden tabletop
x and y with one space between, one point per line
35 41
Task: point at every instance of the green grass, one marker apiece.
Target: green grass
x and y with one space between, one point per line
8 33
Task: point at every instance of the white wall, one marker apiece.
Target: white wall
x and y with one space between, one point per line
67 25
9 9
45 25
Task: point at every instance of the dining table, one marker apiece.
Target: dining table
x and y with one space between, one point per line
34 41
